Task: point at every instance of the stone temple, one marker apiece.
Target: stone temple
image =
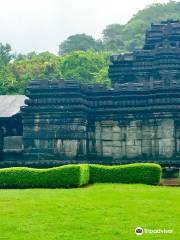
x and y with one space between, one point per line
137 120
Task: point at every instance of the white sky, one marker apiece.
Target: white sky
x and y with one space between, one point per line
40 25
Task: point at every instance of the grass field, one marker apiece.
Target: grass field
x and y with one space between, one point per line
97 212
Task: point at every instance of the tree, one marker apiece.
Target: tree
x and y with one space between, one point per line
27 56
7 79
5 53
134 30
112 37
84 66
39 66
102 76
79 42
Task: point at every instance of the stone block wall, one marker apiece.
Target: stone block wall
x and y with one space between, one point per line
69 121
50 137
147 139
54 121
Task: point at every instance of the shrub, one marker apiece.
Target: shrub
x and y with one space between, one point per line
64 176
147 173
78 175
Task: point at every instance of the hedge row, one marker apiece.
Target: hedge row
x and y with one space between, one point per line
147 173
64 176
78 175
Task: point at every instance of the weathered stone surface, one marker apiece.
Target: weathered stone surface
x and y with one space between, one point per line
138 118
13 143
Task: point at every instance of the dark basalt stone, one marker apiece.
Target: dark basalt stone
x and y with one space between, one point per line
135 120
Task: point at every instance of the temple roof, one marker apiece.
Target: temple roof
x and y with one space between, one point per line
156 65
10 104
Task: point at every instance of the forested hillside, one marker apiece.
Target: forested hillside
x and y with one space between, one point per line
117 37
80 56
134 30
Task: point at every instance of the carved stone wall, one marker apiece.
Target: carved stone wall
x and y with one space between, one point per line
138 119
75 122
146 139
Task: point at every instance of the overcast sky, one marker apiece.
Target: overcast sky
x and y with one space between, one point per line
40 25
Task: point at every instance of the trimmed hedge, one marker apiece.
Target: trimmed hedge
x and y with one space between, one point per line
64 176
78 175
147 173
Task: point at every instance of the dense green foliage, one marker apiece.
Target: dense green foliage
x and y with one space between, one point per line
65 176
147 173
89 67
112 37
79 42
127 37
97 212
81 56
7 78
35 66
78 175
85 66
134 30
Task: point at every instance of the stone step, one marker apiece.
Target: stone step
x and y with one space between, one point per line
170 182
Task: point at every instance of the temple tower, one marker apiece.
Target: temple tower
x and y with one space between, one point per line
54 120
138 119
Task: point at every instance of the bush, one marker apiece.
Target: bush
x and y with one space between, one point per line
78 175
147 173
64 176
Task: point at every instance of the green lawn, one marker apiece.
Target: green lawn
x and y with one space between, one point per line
97 212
